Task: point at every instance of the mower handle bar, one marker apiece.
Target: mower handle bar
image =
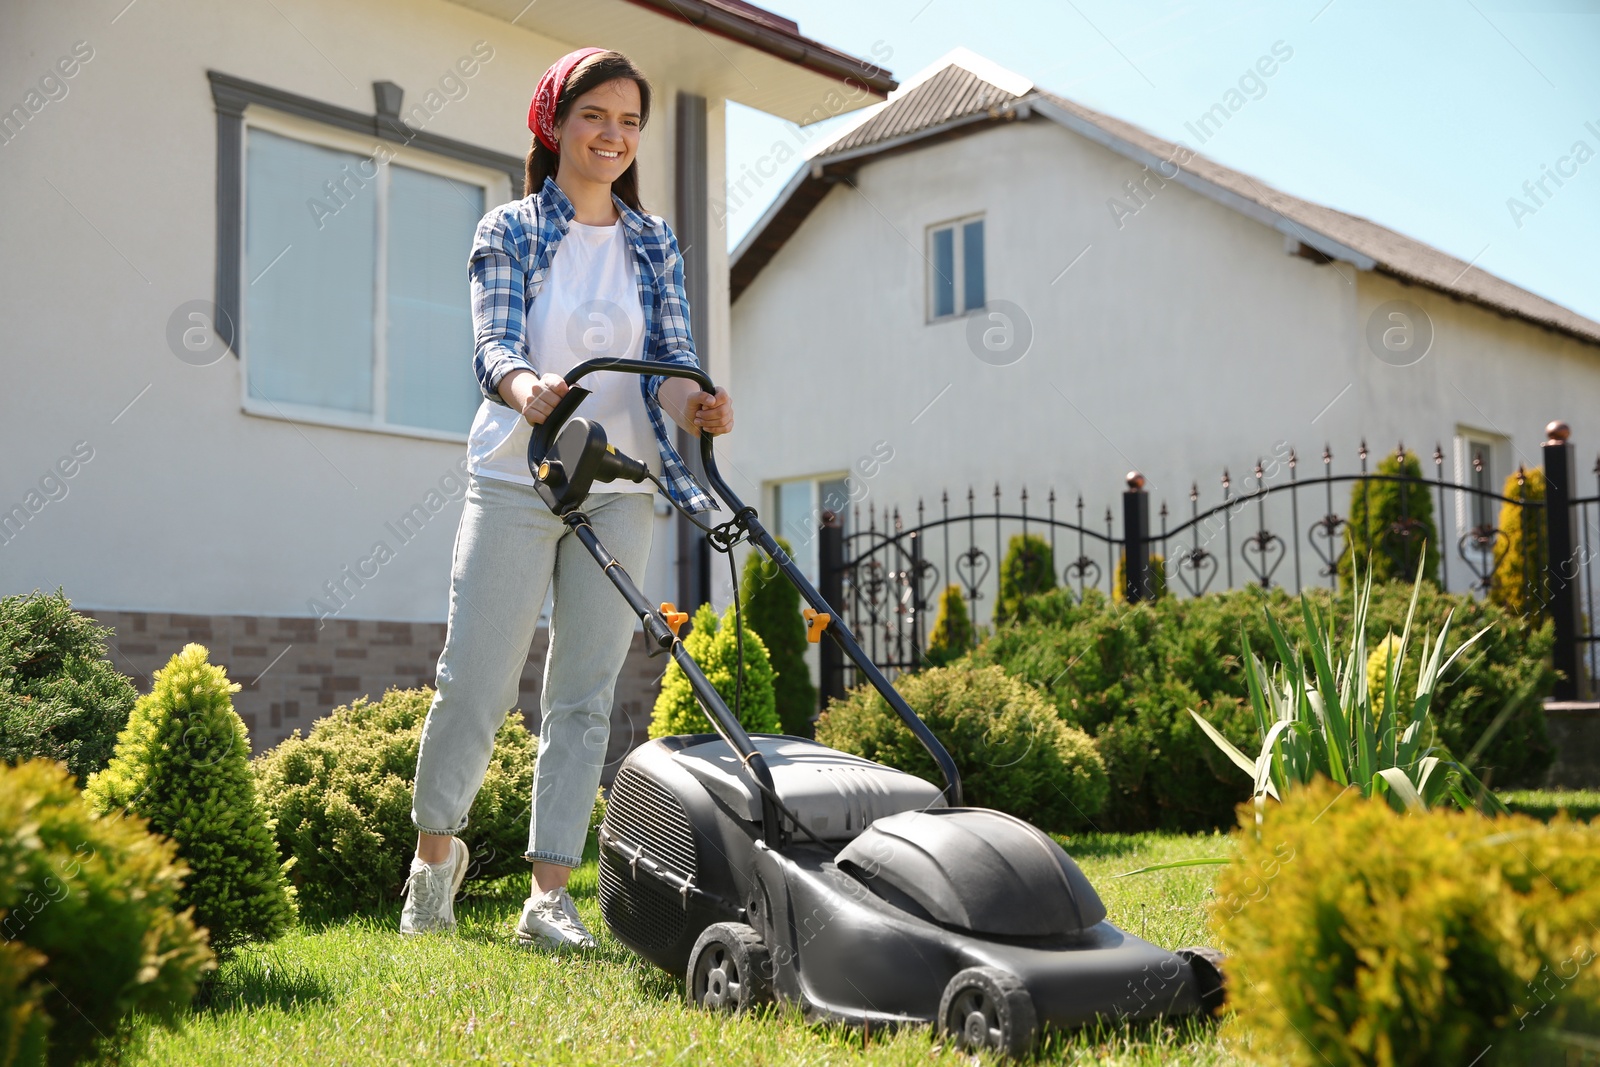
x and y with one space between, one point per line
746 517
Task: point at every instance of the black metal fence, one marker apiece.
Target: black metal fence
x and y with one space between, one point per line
1282 528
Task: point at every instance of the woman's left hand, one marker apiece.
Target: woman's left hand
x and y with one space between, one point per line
710 413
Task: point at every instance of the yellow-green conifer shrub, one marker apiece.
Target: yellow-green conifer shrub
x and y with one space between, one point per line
183 763
1029 567
1357 935
92 929
952 636
1158 578
1521 582
712 646
1378 663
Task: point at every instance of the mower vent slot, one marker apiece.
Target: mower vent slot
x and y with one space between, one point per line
639 911
646 816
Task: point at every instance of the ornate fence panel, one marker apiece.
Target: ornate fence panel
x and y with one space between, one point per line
1534 550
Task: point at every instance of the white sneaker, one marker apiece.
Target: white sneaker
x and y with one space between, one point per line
550 920
431 891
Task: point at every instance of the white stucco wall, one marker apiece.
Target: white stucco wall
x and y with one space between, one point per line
1182 342
188 504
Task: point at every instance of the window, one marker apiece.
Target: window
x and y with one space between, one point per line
355 306
955 268
797 509
1480 465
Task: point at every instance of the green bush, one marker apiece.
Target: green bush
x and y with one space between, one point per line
341 801
1013 752
183 763
771 607
1521 582
953 636
59 697
1356 935
1389 524
1028 568
89 910
1127 674
1158 577
713 646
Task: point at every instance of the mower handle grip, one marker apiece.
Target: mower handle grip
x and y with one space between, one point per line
547 431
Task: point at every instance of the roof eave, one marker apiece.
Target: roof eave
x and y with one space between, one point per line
794 47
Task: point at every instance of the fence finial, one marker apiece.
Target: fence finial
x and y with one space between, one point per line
1135 480
1557 432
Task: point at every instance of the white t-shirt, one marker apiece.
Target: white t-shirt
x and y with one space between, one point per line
587 307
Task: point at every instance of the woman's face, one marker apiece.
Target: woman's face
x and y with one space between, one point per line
600 135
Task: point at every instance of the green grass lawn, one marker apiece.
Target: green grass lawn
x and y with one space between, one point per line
354 992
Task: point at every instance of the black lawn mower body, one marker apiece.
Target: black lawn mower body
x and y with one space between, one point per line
767 866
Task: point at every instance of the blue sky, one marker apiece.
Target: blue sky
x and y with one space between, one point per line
1426 117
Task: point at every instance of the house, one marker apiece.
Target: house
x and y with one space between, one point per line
980 283
237 352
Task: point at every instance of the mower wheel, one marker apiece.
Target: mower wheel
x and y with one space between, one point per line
1206 966
987 1008
729 969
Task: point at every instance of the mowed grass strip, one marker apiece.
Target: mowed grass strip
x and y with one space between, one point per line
354 992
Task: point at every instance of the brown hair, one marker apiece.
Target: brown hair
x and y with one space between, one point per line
596 70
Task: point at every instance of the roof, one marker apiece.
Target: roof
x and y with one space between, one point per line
954 100
772 33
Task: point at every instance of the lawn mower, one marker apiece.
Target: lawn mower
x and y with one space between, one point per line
771 867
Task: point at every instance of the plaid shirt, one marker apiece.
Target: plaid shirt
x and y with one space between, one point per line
511 256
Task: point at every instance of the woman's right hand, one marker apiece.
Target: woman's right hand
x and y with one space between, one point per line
535 396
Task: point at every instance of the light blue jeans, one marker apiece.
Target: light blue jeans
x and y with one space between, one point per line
509 550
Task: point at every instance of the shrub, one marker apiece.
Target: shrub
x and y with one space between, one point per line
713 645
1385 654
341 800
1356 935
59 697
1013 752
183 763
1125 674
1521 582
1389 523
771 606
952 636
91 923
1028 568
1158 578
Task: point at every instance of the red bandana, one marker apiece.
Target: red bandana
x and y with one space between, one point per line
542 112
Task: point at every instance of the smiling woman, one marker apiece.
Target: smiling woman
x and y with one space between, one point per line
576 270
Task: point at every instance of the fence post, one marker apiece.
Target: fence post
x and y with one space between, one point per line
1136 540
918 606
1561 533
830 558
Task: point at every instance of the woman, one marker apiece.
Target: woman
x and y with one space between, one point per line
573 271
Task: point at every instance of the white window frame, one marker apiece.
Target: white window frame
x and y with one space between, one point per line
1496 449
958 246
496 190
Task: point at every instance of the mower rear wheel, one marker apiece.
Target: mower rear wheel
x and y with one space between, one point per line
987 1008
1206 966
729 969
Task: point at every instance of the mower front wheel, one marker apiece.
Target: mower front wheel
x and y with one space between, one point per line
987 1008
729 969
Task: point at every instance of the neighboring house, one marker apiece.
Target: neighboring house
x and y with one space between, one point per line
237 355
981 282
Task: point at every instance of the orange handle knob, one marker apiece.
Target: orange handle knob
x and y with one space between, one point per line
674 618
816 622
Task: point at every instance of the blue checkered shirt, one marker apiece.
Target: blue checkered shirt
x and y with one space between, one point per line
511 255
